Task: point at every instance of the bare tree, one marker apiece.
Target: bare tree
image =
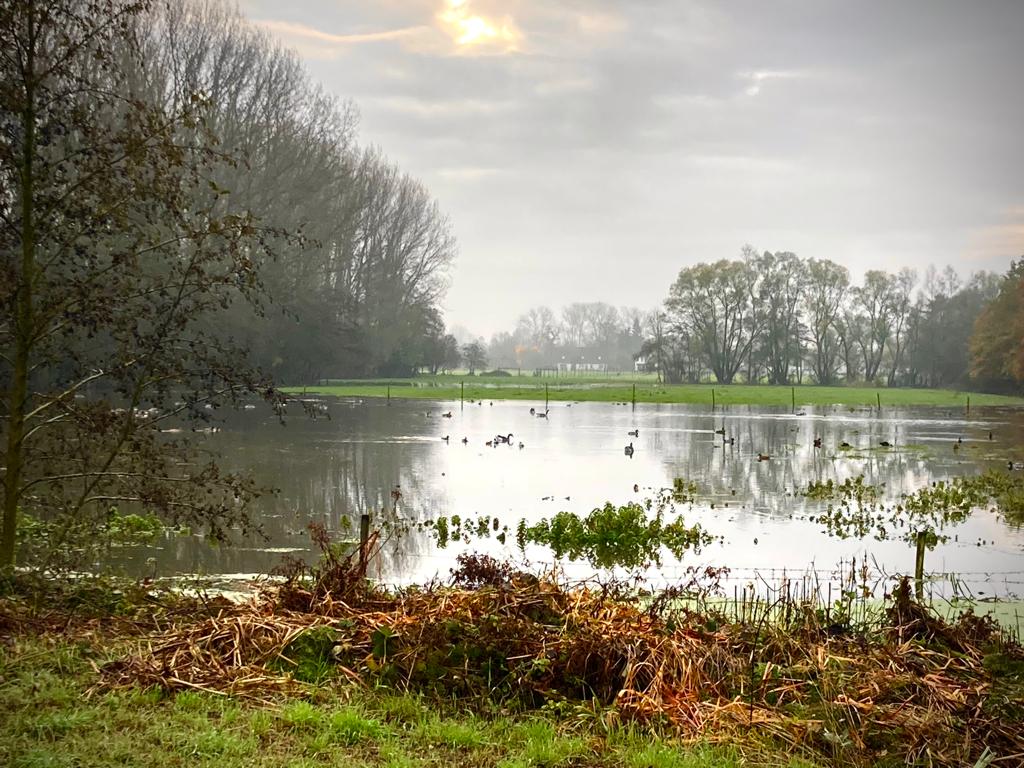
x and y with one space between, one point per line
117 254
827 287
712 303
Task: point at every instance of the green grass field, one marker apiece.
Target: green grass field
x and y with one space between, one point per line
620 389
50 718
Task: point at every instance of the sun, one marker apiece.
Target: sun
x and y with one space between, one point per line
468 29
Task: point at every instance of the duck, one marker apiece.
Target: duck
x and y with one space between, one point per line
817 442
445 438
521 446
885 444
533 411
634 433
845 445
447 415
763 457
628 450
465 441
543 415
720 431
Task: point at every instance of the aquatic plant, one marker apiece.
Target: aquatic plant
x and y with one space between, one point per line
920 518
631 536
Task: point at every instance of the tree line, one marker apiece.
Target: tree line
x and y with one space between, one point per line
782 319
185 220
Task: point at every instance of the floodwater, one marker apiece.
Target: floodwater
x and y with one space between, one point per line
333 470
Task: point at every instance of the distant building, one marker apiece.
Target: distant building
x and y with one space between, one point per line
642 365
582 368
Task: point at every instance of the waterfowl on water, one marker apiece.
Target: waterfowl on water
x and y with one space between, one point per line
447 415
465 441
445 438
628 450
720 431
817 442
521 446
885 444
845 444
543 415
634 433
763 457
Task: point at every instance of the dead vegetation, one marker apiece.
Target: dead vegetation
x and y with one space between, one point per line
912 690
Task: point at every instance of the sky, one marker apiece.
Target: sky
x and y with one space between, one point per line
587 150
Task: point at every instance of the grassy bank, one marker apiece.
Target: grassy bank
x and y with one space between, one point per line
499 669
52 718
56 711
623 389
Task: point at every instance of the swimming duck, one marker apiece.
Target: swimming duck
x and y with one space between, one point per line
634 433
817 442
763 457
628 450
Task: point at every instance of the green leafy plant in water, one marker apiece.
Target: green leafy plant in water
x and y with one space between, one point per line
919 518
61 543
1006 490
850 490
631 536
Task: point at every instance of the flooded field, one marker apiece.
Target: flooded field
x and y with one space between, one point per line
332 470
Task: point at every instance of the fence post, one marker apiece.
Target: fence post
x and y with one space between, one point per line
364 540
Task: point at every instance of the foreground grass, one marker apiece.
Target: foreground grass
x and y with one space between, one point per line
621 390
51 717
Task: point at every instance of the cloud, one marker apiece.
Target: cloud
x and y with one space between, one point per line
757 78
1000 241
475 33
317 44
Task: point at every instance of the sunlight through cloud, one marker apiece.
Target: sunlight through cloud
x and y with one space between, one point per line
470 30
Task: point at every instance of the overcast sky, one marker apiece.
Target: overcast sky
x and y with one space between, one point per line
588 149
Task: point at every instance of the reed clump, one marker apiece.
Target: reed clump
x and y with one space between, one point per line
909 689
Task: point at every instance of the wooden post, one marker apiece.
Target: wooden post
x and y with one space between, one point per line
545 398
919 567
878 398
792 391
462 391
389 394
712 398
364 540
968 405
634 395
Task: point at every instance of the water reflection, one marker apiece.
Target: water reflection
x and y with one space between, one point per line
331 471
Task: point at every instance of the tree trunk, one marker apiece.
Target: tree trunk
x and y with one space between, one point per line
23 332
